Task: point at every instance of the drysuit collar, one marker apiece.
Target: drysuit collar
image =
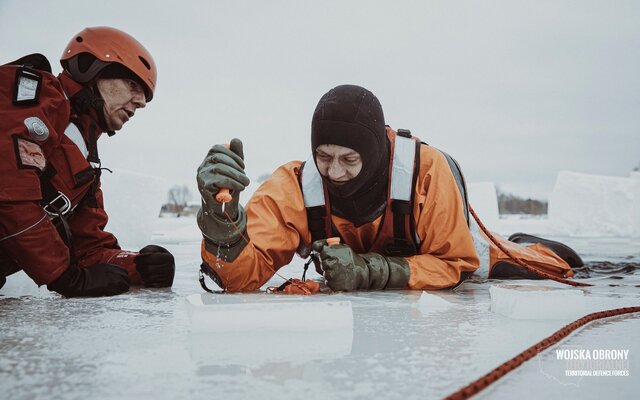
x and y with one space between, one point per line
85 100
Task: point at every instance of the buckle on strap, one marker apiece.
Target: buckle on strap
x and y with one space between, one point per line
59 206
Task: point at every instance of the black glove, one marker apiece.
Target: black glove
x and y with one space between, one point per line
96 280
156 266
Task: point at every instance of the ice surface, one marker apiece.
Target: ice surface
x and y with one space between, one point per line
256 349
140 345
483 199
133 202
591 205
544 376
531 300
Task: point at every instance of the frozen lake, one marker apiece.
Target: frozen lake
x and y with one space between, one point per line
143 345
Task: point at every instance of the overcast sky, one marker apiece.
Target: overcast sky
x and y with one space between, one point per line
515 90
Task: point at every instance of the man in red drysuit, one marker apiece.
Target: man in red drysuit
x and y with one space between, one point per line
52 217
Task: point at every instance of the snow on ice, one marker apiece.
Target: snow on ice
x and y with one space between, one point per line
594 205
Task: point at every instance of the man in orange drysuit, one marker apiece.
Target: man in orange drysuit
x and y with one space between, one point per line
397 204
51 209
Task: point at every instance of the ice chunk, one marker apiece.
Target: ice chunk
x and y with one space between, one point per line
591 205
133 203
253 329
483 199
524 301
260 312
431 303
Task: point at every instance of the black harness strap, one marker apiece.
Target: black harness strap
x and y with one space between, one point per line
52 203
49 193
401 245
316 217
90 198
416 172
65 233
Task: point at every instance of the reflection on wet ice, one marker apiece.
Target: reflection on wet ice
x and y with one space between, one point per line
253 330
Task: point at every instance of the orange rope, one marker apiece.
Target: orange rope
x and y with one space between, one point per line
520 262
294 282
235 226
482 383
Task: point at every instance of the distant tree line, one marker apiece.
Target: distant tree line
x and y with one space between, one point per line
179 196
512 204
177 200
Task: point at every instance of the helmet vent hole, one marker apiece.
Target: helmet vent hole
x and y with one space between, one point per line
145 62
79 39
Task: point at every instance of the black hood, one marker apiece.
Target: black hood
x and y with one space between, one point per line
351 116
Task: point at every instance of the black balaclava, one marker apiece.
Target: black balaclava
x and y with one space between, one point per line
351 116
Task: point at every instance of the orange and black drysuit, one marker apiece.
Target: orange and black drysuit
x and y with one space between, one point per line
448 247
48 154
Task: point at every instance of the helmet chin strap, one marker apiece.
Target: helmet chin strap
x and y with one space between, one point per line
98 106
89 99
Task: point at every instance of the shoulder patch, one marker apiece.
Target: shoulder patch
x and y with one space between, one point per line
37 129
29 155
27 87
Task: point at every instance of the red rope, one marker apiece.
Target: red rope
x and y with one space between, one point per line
520 262
482 383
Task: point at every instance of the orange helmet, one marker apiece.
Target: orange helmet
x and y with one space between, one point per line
109 46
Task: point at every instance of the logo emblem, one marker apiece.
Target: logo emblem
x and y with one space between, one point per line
30 155
37 129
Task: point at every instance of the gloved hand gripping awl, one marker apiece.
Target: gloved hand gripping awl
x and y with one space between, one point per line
223 196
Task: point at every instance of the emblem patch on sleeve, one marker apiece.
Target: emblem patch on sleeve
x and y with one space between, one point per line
29 154
37 129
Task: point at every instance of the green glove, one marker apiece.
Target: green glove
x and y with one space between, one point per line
345 270
223 168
